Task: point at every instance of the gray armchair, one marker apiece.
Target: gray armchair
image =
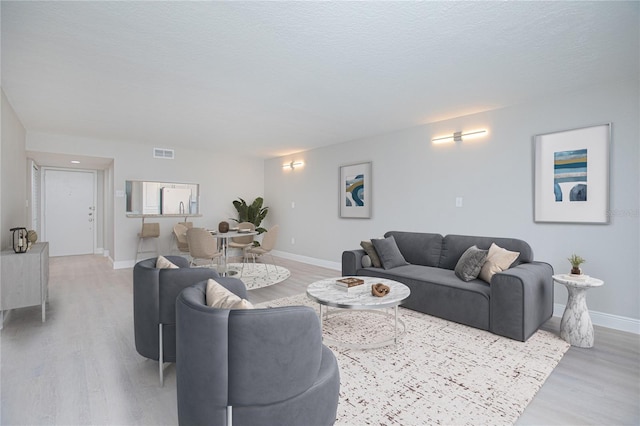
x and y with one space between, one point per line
154 305
252 367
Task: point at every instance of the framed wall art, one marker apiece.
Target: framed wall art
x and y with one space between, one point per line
355 191
571 175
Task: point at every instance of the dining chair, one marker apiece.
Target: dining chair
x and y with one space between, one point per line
149 231
268 244
245 241
202 246
180 236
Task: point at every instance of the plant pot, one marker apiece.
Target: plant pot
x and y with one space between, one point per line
576 271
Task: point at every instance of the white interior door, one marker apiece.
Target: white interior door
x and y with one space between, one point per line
69 211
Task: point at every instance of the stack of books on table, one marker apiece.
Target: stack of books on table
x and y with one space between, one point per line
349 284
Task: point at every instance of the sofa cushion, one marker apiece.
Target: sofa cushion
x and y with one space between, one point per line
164 263
470 263
367 246
419 248
219 297
389 254
498 259
454 245
366 261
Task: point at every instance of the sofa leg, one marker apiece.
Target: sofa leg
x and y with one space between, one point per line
229 415
161 356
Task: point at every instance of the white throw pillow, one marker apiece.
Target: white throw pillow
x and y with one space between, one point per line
498 260
219 297
164 263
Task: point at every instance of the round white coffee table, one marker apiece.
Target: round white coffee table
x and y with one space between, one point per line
576 326
327 293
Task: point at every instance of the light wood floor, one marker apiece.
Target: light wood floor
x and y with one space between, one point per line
81 366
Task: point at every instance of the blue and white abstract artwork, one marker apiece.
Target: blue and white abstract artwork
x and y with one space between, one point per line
354 190
570 175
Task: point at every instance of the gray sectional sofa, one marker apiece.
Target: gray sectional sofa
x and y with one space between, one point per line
514 304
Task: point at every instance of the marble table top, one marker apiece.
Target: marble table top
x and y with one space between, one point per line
583 281
327 292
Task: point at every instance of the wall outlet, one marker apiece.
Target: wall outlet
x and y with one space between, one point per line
293 240
293 204
458 201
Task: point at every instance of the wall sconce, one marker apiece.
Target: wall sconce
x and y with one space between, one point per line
292 165
459 136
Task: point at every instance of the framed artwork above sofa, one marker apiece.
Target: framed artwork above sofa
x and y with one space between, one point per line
355 191
571 181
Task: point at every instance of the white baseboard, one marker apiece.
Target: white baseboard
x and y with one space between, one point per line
98 250
123 264
603 319
309 260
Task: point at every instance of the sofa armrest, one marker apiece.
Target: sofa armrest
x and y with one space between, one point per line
521 300
352 261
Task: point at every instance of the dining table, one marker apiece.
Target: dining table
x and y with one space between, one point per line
223 238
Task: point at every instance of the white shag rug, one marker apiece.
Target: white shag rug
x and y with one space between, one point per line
256 276
440 372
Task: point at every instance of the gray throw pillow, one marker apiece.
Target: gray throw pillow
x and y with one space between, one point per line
389 253
470 263
366 261
368 247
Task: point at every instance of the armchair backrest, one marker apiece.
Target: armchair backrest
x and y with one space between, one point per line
241 357
154 295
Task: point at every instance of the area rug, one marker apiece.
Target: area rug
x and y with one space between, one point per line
439 372
255 275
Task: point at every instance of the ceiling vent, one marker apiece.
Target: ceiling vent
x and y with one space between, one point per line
167 154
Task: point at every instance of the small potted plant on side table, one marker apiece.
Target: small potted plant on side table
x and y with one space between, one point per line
576 261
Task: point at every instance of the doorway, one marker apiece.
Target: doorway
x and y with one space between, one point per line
69 207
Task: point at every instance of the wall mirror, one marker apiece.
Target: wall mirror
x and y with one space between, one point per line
161 198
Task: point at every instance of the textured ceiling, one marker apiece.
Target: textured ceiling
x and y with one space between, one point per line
272 78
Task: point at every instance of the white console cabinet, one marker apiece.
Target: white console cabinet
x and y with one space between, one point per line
25 278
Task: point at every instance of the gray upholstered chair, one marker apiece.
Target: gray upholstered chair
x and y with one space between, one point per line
253 366
154 298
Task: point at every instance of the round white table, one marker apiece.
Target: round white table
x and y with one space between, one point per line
328 294
224 238
576 326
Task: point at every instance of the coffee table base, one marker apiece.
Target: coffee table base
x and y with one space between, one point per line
399 327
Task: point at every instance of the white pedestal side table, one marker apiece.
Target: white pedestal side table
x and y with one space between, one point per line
576 327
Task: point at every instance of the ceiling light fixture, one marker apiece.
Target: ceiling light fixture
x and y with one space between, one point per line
459 136
75 162
292 165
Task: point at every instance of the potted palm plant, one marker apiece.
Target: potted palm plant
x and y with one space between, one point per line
576 261
254 212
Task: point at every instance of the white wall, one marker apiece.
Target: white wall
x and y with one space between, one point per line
14 174
222 179
415 184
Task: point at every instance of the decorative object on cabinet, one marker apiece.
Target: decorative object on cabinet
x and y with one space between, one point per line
571 182
19 239
32 237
